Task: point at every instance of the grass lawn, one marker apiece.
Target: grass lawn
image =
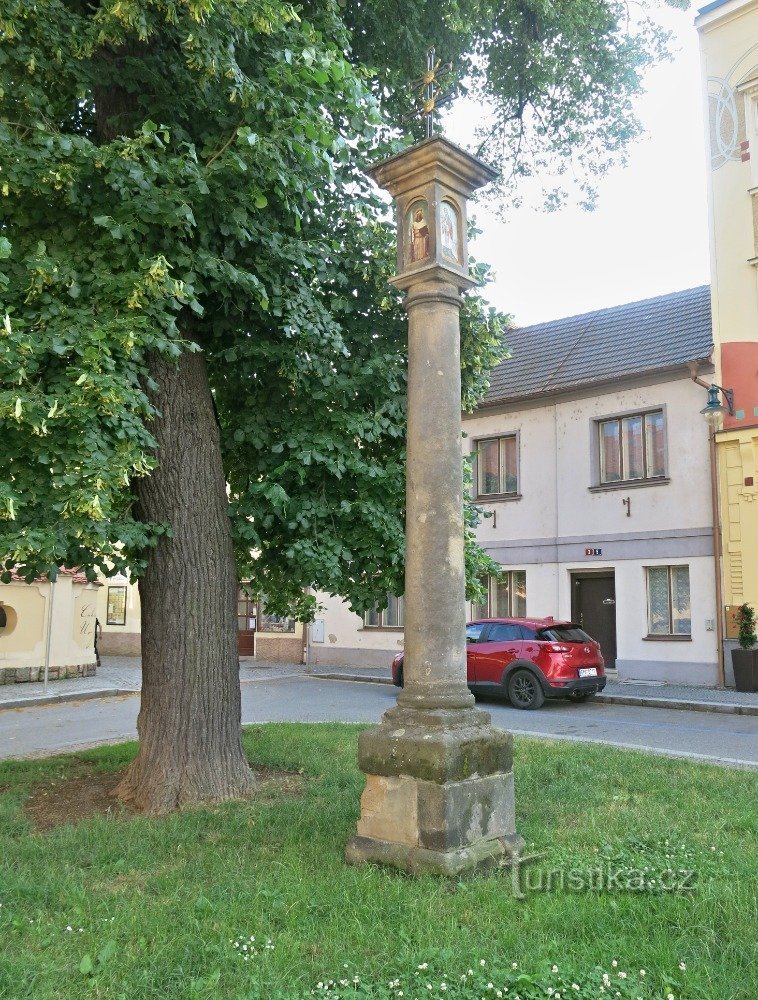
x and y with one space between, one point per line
116 906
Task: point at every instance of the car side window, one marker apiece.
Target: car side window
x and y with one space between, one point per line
503 632
474 631
527 633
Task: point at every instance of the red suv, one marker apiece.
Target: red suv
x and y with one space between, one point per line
528 659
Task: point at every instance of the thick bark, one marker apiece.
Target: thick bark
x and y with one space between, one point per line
189 722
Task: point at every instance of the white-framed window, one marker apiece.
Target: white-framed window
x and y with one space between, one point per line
392 615
506 597
632 447
497 466
668 601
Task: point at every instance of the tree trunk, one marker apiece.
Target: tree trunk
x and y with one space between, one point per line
189 723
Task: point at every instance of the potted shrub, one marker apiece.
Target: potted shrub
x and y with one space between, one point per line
745 659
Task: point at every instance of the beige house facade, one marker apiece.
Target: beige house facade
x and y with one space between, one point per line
44 624
728 32
261 635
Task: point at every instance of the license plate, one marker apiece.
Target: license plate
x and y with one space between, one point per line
588 671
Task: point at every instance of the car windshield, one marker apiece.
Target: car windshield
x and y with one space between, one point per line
563 633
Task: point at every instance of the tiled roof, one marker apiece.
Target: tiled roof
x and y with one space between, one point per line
76 576
634 339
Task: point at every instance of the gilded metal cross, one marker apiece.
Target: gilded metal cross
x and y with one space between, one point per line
431 91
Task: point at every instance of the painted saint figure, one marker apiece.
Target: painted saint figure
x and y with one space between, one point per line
449 221
418 234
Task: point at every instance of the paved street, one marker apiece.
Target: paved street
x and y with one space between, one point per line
726 739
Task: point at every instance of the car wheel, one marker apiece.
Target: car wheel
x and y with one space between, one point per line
582 695
524 690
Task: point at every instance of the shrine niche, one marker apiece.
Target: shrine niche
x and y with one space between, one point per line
417 233
450 231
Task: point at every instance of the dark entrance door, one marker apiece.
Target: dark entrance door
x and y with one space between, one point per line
247 620
593 606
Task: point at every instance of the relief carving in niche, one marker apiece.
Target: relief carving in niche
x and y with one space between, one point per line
416 233
450 230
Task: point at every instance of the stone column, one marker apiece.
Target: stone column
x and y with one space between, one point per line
435 579
439 792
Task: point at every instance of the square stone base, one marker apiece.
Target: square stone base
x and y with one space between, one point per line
443 800
485 855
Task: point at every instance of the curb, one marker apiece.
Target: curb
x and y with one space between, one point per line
644 701
56 699
351 677
723 707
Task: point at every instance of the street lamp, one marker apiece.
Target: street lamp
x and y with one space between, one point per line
714 410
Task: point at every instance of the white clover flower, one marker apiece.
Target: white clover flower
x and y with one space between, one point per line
69 928
550 991
670 996
490 986
514 965
443 986
643 973
682 966
554 968
424 965
482 962
622 975
574 986
614 963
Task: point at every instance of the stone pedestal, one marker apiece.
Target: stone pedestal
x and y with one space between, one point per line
439 791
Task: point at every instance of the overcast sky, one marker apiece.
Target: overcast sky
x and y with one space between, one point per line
648 235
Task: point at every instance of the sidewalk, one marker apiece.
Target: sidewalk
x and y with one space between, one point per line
118 675
122 675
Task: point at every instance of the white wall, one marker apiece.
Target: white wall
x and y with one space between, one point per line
556 467
347 642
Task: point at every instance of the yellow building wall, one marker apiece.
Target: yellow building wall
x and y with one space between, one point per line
729 51
738 474
23 641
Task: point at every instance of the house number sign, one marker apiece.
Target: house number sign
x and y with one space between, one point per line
593 552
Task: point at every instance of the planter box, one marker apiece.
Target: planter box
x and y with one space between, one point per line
745 667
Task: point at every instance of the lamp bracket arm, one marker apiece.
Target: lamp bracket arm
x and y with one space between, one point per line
729 397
